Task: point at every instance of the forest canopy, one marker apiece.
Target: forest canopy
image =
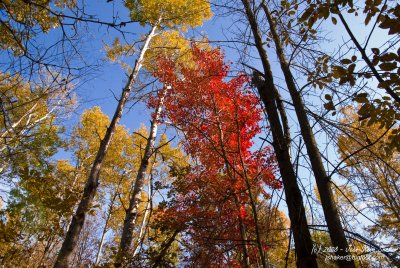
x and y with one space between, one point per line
181 133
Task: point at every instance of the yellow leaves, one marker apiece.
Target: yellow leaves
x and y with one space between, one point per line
174 13
20 16
174 46
65 3
173 155
169 44
91 130
28 110
117 50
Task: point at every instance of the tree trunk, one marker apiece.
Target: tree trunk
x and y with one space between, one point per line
165 248
110 209
75 227
243 236
323 184
132 211
269 96
242 226
143 227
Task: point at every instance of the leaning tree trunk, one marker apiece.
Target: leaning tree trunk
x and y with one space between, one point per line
323 183
165 247
269 95
75 227
132 211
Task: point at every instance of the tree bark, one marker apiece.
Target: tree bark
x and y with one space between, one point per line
75 227
147 214
323 184
243 235
132 211
269 95
165 248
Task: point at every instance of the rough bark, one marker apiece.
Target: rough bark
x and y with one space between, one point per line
269 96
132 211
323 183
75 227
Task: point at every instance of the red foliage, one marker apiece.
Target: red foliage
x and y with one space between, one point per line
219 119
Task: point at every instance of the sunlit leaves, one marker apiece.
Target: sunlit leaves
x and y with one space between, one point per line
219 119
22 20
173 13
374 169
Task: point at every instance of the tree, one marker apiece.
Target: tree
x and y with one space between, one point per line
153 12
380 101
281 143
373 171
218 128
24 20
28 111
328 203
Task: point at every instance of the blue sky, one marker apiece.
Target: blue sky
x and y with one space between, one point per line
100 88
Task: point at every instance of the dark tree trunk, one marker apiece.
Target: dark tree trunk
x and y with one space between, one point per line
165 248
323 183
269 95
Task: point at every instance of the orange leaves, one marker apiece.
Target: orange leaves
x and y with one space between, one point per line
219 119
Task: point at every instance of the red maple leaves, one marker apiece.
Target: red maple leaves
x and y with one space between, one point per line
219 119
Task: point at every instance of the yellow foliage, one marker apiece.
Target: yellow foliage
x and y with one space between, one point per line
373 168
21 15
169 44
116 50
173 13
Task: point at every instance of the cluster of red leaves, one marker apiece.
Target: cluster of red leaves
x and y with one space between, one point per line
219 119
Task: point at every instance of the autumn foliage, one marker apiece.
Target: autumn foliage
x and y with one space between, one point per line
219 120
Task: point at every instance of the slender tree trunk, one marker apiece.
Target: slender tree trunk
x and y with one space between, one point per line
144 222
242 226
114 197
252 200
132 211
243 235
323 184
165 248
101 243
294 200
75 227
255 215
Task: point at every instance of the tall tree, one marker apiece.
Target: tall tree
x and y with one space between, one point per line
218 127
329 205
271 99
158 14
